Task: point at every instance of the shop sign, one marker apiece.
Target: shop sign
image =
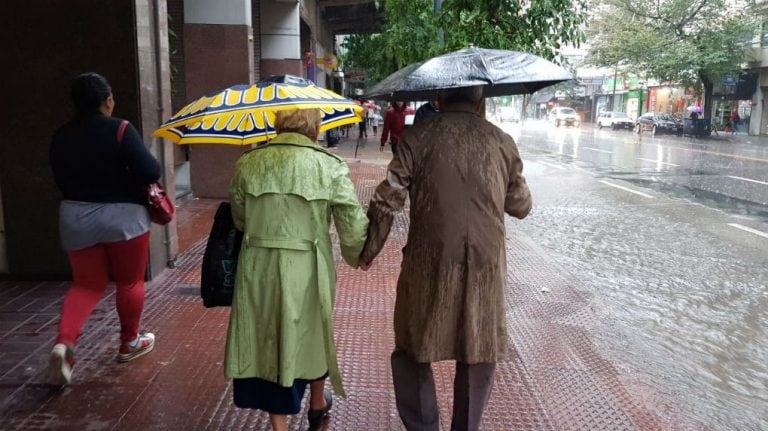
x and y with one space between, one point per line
355 75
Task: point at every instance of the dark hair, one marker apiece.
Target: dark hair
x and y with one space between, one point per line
461 94
89 91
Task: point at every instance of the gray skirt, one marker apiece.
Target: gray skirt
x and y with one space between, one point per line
85 224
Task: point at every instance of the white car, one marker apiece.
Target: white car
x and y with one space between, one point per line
566 116
615 120
508 113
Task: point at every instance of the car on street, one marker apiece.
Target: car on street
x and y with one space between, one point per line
564 116
508 113
658 123
615 120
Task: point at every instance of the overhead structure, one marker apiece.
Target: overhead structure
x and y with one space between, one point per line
352 16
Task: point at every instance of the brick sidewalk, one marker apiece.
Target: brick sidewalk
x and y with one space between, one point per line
557 381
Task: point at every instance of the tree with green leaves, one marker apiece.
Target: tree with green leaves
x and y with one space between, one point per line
691 42
413 28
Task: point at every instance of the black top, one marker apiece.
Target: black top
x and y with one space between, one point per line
90 165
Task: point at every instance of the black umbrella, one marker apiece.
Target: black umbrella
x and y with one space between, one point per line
500 72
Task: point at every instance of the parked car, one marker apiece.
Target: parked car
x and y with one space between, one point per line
615 120
659 123
562 115
507 113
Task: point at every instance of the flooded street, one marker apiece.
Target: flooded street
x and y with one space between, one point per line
670 238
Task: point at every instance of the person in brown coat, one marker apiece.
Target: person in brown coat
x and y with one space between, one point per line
462 174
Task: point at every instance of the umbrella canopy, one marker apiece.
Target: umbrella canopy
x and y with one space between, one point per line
500 72
244 115
695 108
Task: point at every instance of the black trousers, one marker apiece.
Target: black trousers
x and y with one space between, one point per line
417 401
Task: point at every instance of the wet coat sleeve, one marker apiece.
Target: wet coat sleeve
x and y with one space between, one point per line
517 202
388 199
348 216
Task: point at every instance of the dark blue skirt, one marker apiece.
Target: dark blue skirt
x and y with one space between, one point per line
255 393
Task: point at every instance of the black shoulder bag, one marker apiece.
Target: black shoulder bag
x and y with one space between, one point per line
217 281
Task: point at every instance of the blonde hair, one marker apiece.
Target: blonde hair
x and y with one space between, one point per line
302 121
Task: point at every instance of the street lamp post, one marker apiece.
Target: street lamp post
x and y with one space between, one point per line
613 97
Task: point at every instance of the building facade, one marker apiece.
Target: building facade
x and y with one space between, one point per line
157 54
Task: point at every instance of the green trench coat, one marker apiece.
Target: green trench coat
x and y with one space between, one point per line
284 195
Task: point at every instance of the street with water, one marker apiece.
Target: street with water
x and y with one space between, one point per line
669 235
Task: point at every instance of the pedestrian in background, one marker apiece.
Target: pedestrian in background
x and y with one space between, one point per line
394 125
280 339
734 120
450 293
375 122
370 114
363 126
103 221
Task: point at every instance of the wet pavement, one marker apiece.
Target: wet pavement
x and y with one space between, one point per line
728 168
567 373
678 274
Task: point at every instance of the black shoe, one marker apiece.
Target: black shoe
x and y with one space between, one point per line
316 417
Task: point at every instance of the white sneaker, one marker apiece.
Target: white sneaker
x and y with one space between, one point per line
144 345
60 367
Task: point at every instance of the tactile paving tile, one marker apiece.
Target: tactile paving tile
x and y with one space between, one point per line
513 404
575 401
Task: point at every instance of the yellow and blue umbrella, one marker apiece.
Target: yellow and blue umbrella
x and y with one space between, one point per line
244 115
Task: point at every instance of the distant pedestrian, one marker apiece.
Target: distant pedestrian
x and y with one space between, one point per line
284 194
103 222
375 123
362 126
332 137
734 120
370 114
394 125
461 174
362 129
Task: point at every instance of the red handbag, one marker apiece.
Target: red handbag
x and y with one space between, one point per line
159 205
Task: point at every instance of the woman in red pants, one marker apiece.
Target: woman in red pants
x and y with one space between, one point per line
101 172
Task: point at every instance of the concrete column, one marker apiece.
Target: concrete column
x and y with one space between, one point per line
759 118
280 38
154 74
218 51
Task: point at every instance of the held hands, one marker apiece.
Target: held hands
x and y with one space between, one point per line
365 266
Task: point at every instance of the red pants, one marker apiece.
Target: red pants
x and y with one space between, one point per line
127 262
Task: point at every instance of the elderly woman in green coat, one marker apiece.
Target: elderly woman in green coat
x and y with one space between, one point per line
284 195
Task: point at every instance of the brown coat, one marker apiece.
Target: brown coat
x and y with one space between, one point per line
462 174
